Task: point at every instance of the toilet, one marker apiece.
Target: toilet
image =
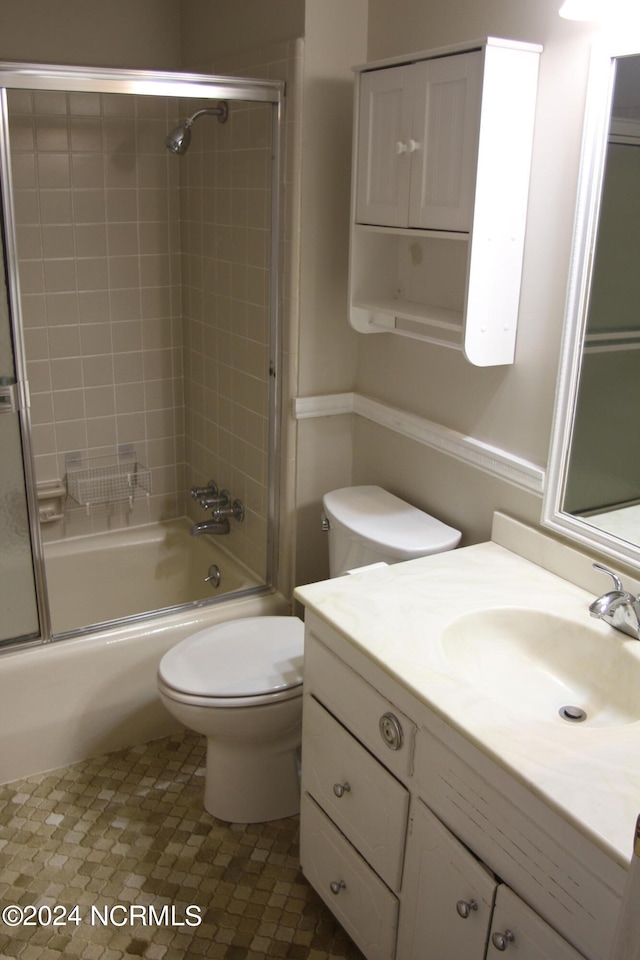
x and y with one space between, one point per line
239 683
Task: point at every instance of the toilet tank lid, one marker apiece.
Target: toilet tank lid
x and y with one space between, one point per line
375 515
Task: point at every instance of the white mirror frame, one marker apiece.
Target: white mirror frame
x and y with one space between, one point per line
594 147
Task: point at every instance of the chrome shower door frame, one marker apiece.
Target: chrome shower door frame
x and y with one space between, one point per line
71 79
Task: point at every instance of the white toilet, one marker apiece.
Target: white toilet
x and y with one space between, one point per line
240 683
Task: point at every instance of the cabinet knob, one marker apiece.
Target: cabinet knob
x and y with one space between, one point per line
401 147
341 788
464 907
336 886
502 940
391 731
412 146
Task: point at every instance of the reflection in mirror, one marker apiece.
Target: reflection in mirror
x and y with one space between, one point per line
602 481
593 482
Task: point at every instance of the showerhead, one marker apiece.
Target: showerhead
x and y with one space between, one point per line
180 137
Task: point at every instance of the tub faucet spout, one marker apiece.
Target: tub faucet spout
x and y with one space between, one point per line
215 527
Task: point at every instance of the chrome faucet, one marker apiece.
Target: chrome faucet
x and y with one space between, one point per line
235 510
619 608
215 526
210 497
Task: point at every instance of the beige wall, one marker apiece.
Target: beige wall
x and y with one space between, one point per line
327 351
217 28
142 35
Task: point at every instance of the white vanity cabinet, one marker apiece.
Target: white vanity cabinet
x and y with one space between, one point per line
442 152
416 855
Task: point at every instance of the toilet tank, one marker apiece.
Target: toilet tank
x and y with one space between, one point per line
369 525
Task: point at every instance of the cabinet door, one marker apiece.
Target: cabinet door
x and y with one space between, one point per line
517 930
446 97
447 896
384 128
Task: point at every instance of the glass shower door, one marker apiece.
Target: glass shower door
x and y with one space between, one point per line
18 603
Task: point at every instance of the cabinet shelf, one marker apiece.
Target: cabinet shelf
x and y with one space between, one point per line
412 232
434 324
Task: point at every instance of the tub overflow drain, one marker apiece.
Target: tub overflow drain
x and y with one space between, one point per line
213 576
573 714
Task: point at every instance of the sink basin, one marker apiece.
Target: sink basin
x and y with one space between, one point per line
537 663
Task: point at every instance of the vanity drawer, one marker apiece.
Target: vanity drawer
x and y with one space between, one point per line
363 799
360 707
356 896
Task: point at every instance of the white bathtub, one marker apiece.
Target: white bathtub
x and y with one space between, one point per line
123 573
71 699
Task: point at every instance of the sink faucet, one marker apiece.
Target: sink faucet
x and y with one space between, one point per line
619 608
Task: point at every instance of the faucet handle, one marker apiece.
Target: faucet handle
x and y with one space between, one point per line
211 490
616 579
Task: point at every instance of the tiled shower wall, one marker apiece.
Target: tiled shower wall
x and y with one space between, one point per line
144 281
226 211
97 213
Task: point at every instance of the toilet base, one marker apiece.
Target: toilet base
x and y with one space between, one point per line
243 785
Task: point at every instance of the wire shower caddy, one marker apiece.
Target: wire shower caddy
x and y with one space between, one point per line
114 478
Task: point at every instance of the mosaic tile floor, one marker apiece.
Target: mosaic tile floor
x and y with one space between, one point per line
125 839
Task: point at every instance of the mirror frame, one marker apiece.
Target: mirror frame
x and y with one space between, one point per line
599 98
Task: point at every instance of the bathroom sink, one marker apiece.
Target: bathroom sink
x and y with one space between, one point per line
545 666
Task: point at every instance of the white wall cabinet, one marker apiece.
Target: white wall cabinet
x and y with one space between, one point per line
418 143
394 874
442 153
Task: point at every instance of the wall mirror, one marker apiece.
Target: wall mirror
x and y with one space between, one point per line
592 491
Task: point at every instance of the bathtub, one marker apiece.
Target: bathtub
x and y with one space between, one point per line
123 573
79 697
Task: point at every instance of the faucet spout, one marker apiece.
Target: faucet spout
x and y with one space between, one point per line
619 608
215 527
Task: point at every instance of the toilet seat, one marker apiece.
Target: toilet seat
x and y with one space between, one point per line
245 663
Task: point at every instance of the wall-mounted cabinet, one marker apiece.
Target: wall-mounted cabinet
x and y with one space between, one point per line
442 153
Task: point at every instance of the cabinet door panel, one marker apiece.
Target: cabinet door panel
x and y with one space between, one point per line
440 878
446 94
383 157
533 939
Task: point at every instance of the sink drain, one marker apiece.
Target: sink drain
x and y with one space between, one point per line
573 714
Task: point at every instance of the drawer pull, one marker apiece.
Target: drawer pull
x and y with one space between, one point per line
502 940
341 788
464 907
336 886
391 731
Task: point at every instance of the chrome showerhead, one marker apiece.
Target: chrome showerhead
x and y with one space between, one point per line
180 137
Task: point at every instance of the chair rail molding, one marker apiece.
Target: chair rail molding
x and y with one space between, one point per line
483 456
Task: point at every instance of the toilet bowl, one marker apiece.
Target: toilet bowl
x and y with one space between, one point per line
240 683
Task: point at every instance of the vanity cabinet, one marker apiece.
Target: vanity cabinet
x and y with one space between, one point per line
442 152
415 857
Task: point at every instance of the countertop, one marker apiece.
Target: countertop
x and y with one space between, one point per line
397 615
